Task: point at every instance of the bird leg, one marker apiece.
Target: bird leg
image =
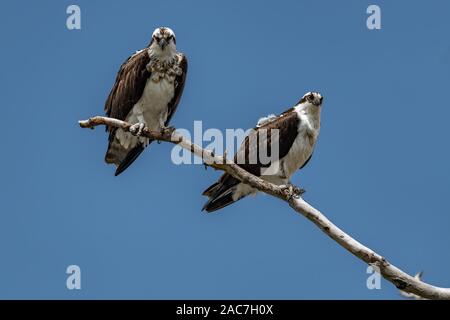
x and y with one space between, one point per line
168 130
136 129
291 191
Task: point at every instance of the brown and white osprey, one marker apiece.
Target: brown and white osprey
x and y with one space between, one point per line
146 93
297 132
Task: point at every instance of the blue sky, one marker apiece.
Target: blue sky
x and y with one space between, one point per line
380 169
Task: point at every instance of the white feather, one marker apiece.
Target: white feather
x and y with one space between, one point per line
262 121
151 109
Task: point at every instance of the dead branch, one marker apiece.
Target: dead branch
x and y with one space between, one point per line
410 286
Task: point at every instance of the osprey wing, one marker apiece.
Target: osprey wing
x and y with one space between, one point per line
129 86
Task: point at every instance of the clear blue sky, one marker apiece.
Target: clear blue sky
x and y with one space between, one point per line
380 171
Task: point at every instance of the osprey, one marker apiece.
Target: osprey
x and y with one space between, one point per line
146 93
297 132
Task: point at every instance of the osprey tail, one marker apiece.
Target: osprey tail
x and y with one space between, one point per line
220 202
223 193
122 157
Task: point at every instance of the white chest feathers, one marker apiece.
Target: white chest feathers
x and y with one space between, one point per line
152 107
154 101
303 145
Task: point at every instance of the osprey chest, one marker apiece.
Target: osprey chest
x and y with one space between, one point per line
168 70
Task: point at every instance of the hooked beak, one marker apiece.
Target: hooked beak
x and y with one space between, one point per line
317 101
163 43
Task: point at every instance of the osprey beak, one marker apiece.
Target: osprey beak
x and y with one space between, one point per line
163 43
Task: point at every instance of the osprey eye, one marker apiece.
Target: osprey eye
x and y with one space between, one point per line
311 97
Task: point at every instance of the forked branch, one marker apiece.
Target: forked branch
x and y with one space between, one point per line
406 283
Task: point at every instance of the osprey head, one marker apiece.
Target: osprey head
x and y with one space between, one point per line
163 38
313 98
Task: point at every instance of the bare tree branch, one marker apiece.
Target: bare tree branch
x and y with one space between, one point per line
410 286
413 296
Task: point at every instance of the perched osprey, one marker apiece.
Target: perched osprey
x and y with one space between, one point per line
146 93
297 128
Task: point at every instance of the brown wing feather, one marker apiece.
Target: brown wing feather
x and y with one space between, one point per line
286 123
129 86
179 81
